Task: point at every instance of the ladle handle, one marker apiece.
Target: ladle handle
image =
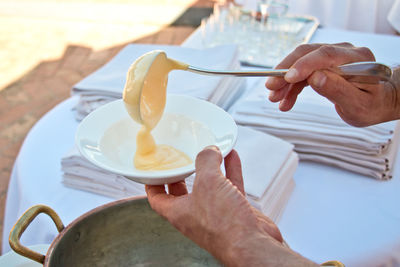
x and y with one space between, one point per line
252 73
21 225
364 72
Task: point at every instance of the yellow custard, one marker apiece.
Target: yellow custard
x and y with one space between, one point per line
144 96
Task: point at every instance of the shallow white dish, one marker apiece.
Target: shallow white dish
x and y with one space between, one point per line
107 136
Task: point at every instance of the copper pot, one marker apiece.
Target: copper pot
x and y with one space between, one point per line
122 233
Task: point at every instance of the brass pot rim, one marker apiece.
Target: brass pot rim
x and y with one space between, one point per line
85 215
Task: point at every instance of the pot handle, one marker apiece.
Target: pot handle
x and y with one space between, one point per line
21 225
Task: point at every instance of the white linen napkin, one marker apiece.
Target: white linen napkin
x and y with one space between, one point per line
107 83
394 15
319 134
268 165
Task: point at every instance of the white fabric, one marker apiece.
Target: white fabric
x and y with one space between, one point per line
331 214
268 179
394 16
107 83
319 134
357 15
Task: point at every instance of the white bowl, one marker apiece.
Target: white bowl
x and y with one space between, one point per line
107 136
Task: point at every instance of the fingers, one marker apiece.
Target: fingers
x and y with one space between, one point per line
278 95
177 189
303 61
276 83
154 190
158 198
299 52
208 162
291 95
351 102
233 168
325 57
306 63
306 59
335 88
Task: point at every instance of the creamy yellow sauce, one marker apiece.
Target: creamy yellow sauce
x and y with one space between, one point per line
144 96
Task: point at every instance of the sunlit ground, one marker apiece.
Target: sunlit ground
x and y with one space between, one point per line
37 30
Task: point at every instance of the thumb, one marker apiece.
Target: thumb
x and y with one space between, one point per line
208 163
334 87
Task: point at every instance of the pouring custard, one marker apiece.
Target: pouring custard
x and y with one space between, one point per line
144 96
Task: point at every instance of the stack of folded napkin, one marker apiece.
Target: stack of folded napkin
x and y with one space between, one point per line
107 83
319 134
268 165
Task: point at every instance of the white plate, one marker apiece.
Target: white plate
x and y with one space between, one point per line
107 136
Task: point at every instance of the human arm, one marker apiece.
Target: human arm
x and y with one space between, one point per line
217 216
358 104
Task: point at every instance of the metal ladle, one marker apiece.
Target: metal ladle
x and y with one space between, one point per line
364 72
155 64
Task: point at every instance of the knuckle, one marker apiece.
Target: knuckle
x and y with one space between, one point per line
345 44
305 48
329 52
333 88
210 152
366 53
205 176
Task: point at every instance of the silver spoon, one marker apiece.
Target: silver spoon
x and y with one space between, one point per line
365 72
148 76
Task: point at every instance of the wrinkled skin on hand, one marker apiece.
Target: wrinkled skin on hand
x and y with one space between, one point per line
358 104
217 216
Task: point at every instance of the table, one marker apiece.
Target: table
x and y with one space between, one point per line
332 213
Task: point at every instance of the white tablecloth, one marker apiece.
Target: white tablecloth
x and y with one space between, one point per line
332 213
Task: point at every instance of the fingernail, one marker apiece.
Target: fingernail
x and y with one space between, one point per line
291 74
212 147
271 95
283 104
318 79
